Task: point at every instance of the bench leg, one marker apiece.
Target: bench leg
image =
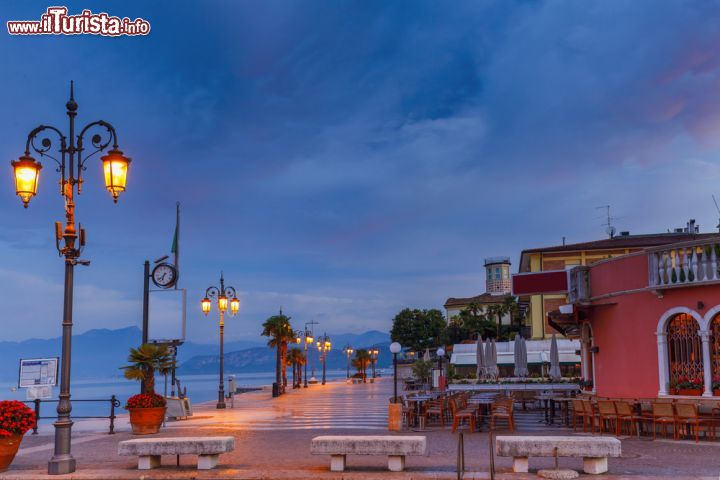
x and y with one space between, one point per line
520 464
595 465
337 463
207 462
396 463
146 462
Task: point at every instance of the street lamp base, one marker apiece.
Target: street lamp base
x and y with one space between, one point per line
220 405
61 465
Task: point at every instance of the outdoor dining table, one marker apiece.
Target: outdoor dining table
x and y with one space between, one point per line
484 402
418 401
564 403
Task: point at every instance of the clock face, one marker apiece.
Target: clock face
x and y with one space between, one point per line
164 275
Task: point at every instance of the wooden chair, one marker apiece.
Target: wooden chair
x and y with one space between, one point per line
437 409
591 416
687 415
578 413
626 415
607 415
502 409
664 414
460 415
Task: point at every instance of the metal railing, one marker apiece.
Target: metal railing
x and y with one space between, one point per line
114 403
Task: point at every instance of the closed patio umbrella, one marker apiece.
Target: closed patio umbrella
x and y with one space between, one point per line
525 370
426 355
494 371
520 367
480 359
554 372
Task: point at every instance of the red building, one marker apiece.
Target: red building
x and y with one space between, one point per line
649 321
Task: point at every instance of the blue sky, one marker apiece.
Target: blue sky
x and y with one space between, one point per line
344 160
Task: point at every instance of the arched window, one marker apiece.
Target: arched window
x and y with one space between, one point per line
715 348
684 349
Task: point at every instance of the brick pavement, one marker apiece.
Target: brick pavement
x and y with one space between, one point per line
273 437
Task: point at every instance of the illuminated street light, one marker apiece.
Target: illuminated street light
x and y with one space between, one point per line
73 155
222 293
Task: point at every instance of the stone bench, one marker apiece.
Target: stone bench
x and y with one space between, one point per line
593 450
395 447
149 450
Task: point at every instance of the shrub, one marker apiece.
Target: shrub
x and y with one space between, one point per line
15 418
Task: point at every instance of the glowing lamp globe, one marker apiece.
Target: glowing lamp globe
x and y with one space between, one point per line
206 305
222 303
441 352
395 347
27 173
234 305
115 167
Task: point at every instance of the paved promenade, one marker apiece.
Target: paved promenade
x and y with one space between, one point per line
273 438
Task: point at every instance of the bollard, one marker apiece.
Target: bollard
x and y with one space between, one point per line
37 415
461 456
275 389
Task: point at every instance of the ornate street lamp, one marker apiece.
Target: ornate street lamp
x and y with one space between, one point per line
221 294
395 349
308 340
374 352
441 354
323 345
348 353
26 171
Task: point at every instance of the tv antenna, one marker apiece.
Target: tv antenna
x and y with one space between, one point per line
609 228
718 209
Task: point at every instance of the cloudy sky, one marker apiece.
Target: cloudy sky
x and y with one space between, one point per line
344 159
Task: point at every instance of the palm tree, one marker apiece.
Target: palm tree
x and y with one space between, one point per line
280 331
361 362
296 358
147 360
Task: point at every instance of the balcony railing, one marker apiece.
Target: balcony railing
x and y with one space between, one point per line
687 263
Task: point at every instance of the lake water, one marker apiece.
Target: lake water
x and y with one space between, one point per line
200 388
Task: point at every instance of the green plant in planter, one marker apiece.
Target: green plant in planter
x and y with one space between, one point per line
422 370
147 360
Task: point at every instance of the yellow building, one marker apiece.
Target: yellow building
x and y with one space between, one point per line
562 257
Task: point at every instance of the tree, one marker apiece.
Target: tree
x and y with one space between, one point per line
422 370
147 360
361 362
418 329
280 331
296 358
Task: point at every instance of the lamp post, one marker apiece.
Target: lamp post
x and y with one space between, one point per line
440 354
73 156
306 339
221 294
395 349
323 345
348 353
373 359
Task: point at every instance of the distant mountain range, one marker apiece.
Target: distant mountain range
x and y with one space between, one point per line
99 353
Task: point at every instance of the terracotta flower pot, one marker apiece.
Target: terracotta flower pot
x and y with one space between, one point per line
8 448
716 392
145 421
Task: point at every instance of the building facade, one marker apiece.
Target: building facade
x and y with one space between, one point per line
648 322
498 287
563 257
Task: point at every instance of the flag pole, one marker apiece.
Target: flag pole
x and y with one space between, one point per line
177 240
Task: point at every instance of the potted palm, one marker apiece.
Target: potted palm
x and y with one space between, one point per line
147 410
15 420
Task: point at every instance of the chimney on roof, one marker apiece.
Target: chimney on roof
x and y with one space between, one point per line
692 227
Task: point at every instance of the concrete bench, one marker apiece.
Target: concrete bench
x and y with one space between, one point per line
593 450
149 450
395 447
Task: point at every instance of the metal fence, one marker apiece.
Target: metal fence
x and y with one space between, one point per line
114 403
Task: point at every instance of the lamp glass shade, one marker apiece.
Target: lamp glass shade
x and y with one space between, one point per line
115 167
395 347
222 303
298 340
27 172
206 304
309 339
441 352
234 305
